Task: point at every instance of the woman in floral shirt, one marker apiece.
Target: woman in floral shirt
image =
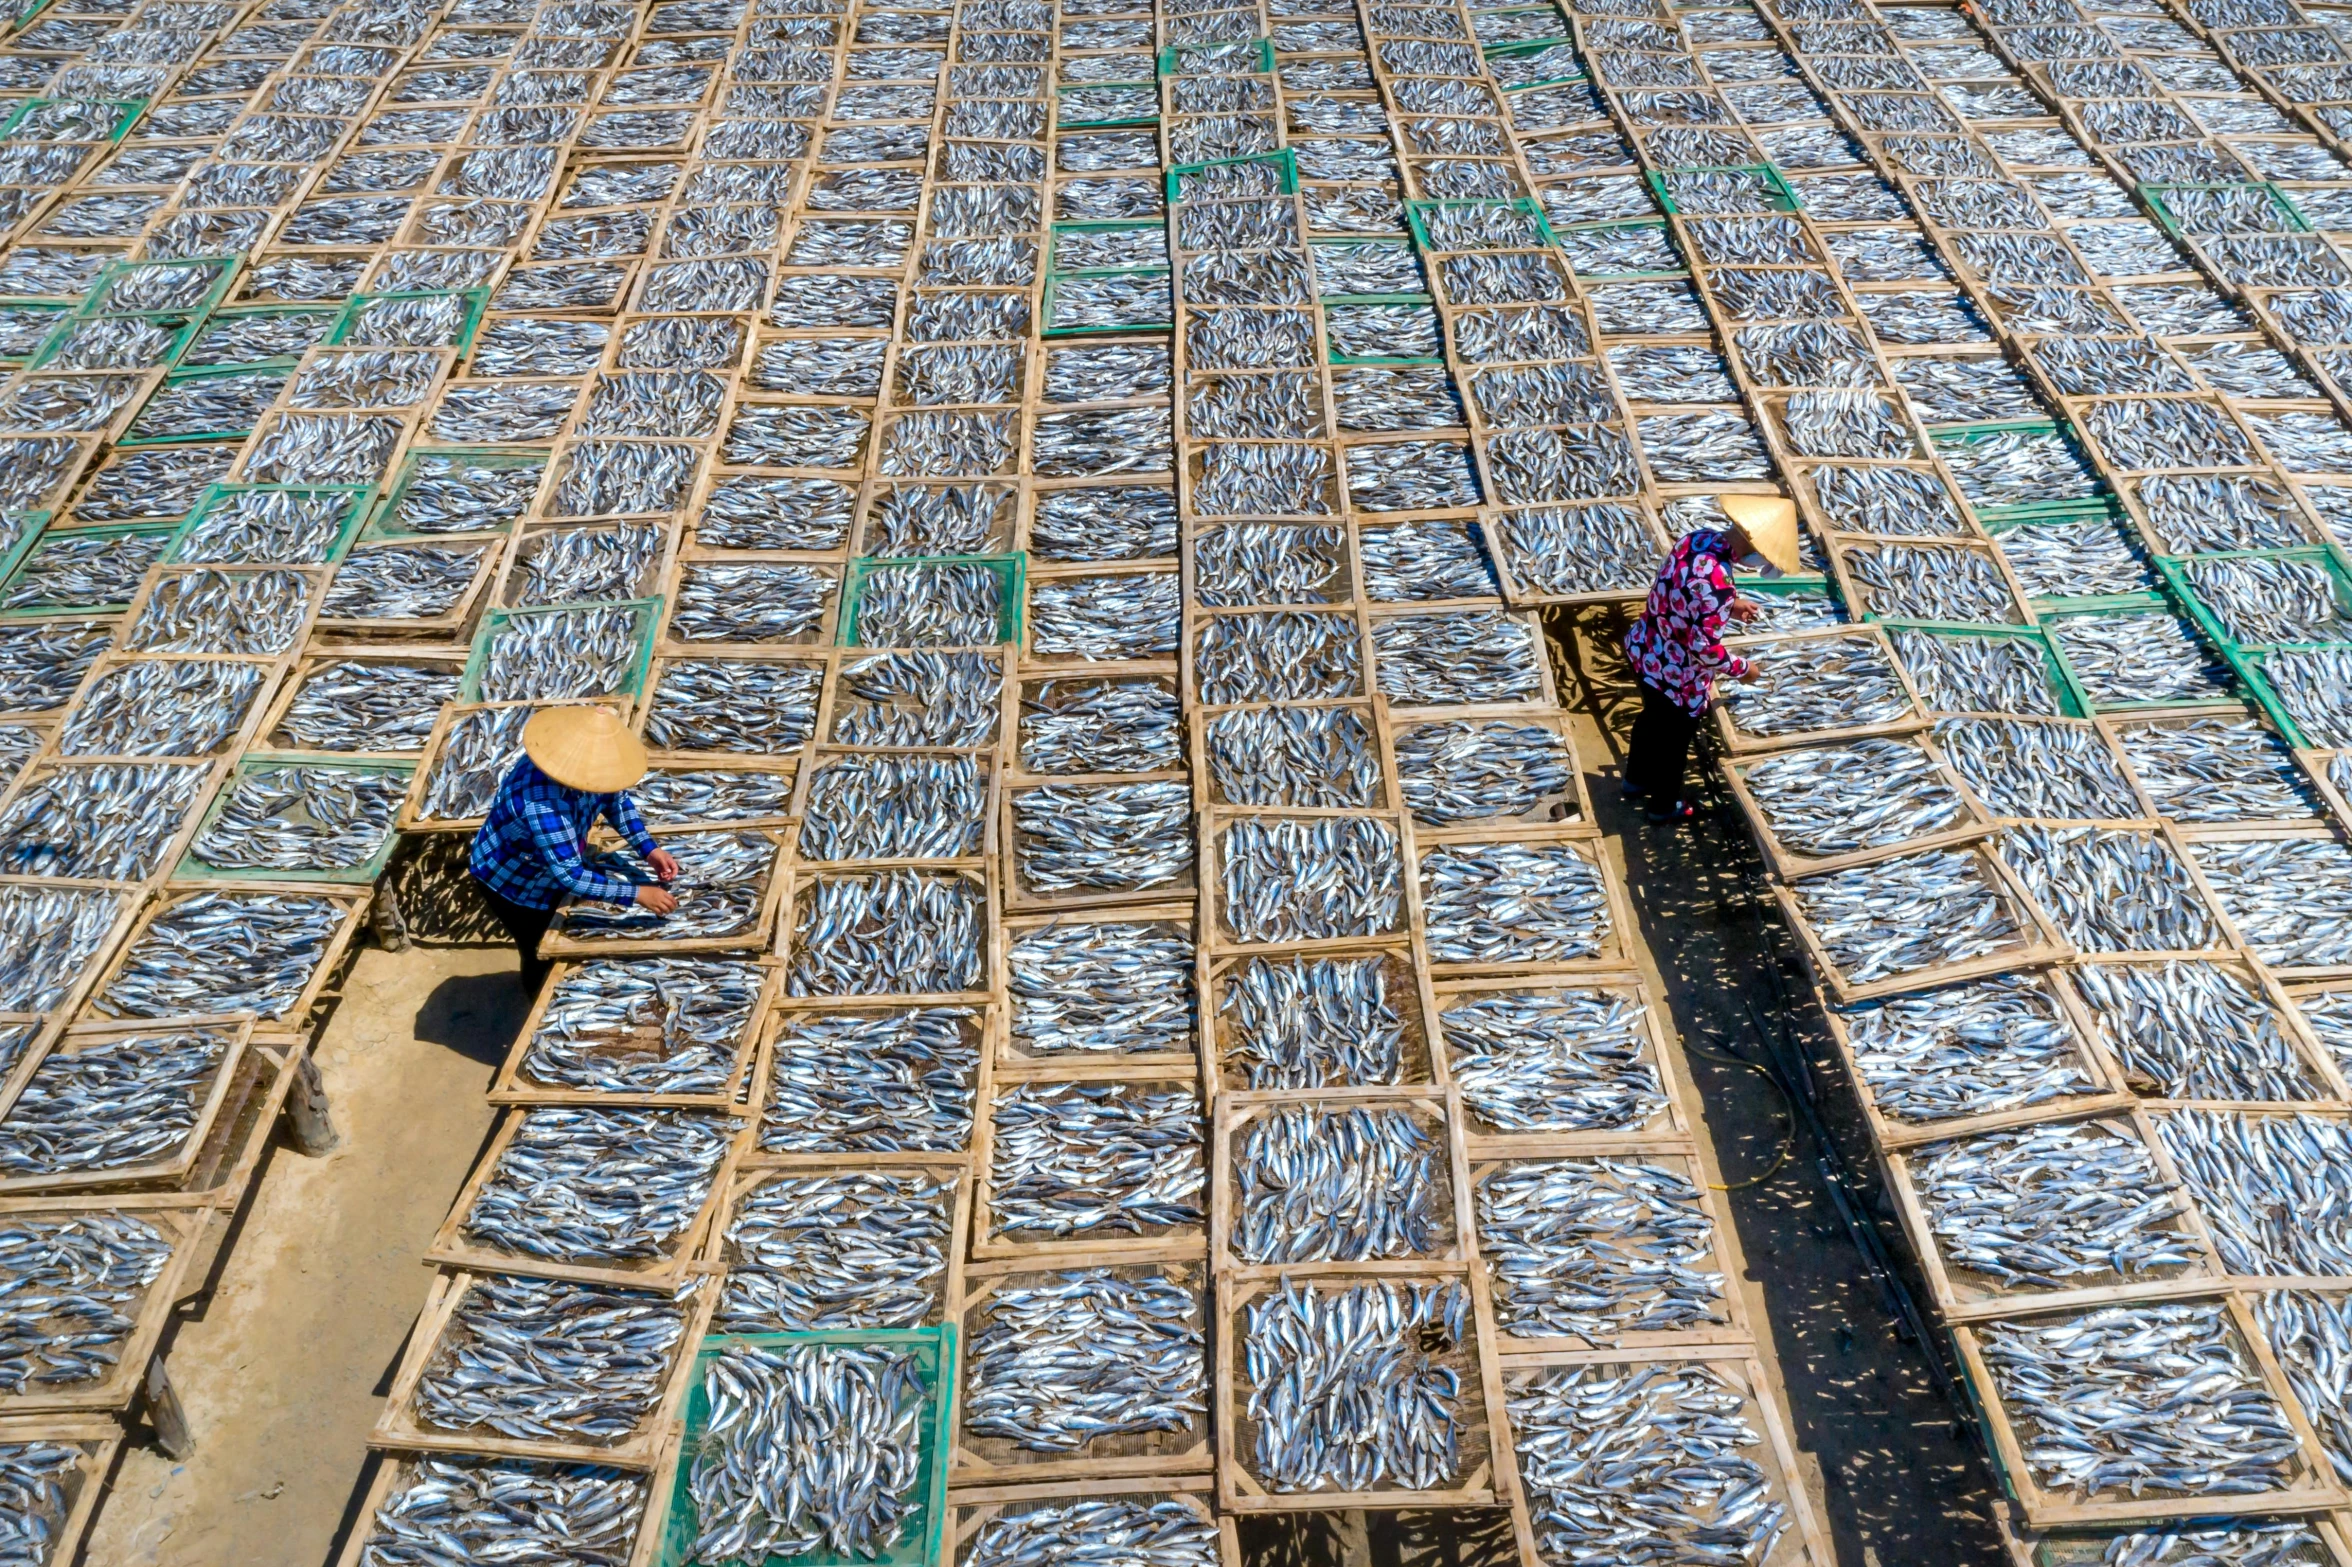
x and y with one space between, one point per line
1676 646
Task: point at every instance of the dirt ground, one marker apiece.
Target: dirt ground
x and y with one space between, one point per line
284 1369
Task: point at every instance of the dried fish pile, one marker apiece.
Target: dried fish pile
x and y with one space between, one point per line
1910 915
1975 1049
534 1513
550 1360
2052 1207
1350 1386
1341 1184
1061 1359
1095 1158
2193 1030
1596 1249
74 1286
1872 794
831 1252
581 1183
648 1026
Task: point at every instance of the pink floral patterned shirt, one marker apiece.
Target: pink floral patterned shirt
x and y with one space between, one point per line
1677 643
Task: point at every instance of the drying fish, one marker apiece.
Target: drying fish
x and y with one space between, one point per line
1869 794
2261 599
896 933
721 886
117 1104
1084 725
2315 686
2191 1030
74 1286
403 581
1133 615
1465 771
208 611
557 654
2267 1187
588 1184
898 1081
894 807
1294 880
2052 1207
2290 898
1075 1159
2148 657
1248 563
721 602
1149 1534
851 1418
739 706
2134 1399
42 662
1514 903
46 935
212 952
547 1360
2110 890
1347 1388
2066 559
1557 1060
1452 659
1597 1249
1311 1023
111 821
647 1026
1293 756
920 698
820 1253
2308 1333
1813 684
1953 586
297 818
2217 770
1095 988
1972 1049
1115 837
1342 1184
162 707
1060 1359
1124 522
1282 657
2023 767
929 606
1905 915
1644 1463
522 1513
455 492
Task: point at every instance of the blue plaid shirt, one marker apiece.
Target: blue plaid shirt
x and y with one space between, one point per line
529 849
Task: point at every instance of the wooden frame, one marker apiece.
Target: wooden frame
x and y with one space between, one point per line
1790 863
100 1440
666 1274
513 1087
1234 1115
317 579
1807 1545
2316 1488
1020 898
998 1461
1671 1126
1176 919
1215 822
803 878
969 1511
400 1429
2036 944
355 901
456 621
182 1225
1616 952
1733 742
1086 1249
316 657
560 942
169 1171
1419 1070
2187 848
1481 1424
715 1254
1571 807
817 756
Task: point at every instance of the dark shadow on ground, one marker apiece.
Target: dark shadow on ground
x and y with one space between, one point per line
1902 1472
476 1015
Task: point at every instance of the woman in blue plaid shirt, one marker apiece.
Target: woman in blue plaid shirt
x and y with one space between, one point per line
577 765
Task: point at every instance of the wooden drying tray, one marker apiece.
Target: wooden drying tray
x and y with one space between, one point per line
1020 898
665 1274
1176 920
970 1511
1733 742
715 1256
353 902
1236 1114
984 1019
1141 1457
1791 863
399 1428
171 1171
316 656
1408 993
1671 1127
560 942
1735 1330
1077 1250
748 1076
1806 1545
1616 950
182 1226
2313 1489
1479 1413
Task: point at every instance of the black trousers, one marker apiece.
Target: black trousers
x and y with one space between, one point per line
1660 751
526 926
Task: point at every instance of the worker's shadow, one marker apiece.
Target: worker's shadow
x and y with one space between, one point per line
476 1015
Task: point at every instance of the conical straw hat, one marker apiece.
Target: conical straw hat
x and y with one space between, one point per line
1772 527
584 748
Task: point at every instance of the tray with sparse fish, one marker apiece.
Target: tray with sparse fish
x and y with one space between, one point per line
1300 1360
545 1369
98 1279
1654 1446
1112 986
606 1194
2142 1413
53 1471
730 882
670 1032
1092 1373
1822 807
1089 1160
1911 919
362 701
1001 1528
296 818
1303 1184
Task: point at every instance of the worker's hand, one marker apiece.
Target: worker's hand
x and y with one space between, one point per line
1744 610
664 863
1755 668
659 900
